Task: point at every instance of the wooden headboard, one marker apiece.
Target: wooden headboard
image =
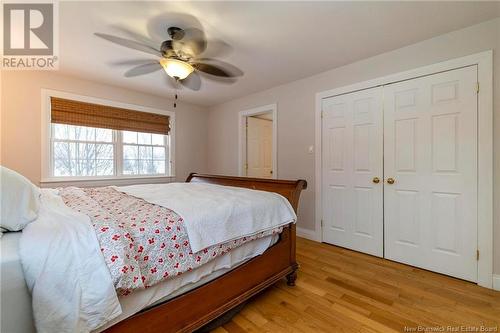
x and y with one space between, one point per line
290 189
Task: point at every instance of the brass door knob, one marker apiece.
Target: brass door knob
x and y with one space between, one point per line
376 180
390 181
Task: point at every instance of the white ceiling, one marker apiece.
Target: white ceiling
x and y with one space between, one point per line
273 42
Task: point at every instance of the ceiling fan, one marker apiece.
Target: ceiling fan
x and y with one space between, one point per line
181 56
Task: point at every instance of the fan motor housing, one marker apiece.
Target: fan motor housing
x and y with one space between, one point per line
175 33
166 48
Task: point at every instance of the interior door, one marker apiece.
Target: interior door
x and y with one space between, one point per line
351 165
259 147
430 147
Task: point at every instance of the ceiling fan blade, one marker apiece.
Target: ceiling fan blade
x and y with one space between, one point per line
232 69
132 62
137 36
156 26
217 68
211 69
193 81
171 83
143 69
192 44
219 79
216 48
129 44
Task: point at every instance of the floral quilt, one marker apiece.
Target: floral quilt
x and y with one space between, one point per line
142 243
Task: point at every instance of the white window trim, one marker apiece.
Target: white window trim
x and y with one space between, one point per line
47 180
484 62
242 115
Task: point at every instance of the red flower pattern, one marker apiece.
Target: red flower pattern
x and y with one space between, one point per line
141 256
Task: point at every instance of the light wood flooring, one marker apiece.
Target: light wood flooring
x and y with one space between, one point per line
339 290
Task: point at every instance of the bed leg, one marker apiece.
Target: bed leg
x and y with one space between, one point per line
290 278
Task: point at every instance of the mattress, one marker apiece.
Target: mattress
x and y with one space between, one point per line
162 292
16 310
15 298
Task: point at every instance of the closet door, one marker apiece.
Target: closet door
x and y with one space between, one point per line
430 167
352 171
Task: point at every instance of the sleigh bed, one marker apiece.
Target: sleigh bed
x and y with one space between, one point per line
198 307
109 259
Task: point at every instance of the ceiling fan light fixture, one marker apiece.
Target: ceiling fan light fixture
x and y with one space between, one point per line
175 68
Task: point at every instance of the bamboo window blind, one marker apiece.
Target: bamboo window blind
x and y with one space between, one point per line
64 111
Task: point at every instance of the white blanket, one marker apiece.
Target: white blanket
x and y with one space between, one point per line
215 214
70 283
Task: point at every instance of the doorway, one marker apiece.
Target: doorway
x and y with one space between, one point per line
257 149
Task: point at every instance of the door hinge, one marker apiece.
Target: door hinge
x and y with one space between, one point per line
477 254
477 87
321 223
322 114
246 166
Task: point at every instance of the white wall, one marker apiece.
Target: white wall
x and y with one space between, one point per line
21 117
296 106
21 120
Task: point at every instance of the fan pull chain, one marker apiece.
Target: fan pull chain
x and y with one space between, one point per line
176 95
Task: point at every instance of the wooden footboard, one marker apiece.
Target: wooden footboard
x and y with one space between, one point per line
197 307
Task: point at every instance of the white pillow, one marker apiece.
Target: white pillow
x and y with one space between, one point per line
20 200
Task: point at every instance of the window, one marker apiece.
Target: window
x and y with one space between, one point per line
98 141
143 153
80 151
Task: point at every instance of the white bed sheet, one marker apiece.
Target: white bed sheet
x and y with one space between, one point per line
15 299
171 288
16 308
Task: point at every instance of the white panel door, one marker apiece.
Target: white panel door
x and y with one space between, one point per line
351 160
430 150
259 147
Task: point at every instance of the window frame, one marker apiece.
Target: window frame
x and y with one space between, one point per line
118 178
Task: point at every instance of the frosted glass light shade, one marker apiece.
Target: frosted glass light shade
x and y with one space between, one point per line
176 68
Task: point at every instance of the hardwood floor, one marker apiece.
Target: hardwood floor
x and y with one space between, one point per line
344 291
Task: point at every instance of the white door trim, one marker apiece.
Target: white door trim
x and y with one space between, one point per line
496 282
484 62
273 108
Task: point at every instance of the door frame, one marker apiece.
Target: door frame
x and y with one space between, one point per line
484 62
242 136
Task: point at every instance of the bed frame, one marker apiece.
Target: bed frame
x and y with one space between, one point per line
198 307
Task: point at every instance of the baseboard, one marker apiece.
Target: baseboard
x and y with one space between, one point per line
496 282
307 233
